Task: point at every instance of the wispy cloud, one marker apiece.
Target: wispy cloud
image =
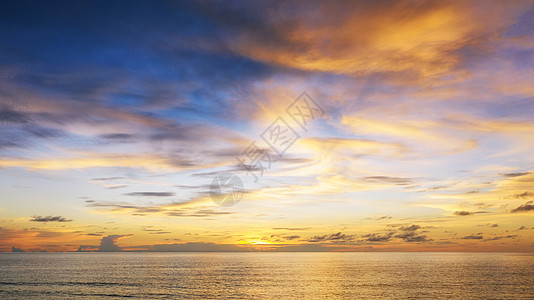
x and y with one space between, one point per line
49 219
529 206
472 237
150 194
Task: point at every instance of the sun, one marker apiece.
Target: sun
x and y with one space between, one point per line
255 242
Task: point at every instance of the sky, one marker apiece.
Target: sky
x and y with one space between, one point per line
407 125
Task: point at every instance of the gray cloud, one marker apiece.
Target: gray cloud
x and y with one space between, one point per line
410 228
15 249
8 115
379 218
155 231
375 237
49 219
94 234
418 239
83 248
405 235
472 237
335 237
463 213
309 248
117 136
524 208
501 237
115 187
409 234
518 174
524 195
107 243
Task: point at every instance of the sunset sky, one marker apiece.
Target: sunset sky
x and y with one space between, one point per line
116 116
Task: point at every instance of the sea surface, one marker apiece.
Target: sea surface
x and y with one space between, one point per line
267 275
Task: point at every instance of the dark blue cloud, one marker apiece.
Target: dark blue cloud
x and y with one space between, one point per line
134 55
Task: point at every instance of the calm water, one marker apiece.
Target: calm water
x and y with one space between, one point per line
266 275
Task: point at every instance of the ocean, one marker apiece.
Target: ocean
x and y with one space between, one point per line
267 275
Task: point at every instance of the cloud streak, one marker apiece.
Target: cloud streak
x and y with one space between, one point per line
49 219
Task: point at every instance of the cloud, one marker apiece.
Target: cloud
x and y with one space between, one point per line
151 194
8 115
15 249
83 248
213 247
200 213
198 247
94 234
189 208
108 178
410 228
472 237
114 187
291 237
512 175
335 237
155 231
397 79
49 219
107 243
524 208
291 228
463 213
389 179
405 235
409 234
375 237
418 239
380 218
501 237
360 38
117 136
311 248
524 195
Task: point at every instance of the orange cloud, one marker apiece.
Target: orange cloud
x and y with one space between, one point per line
362 38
